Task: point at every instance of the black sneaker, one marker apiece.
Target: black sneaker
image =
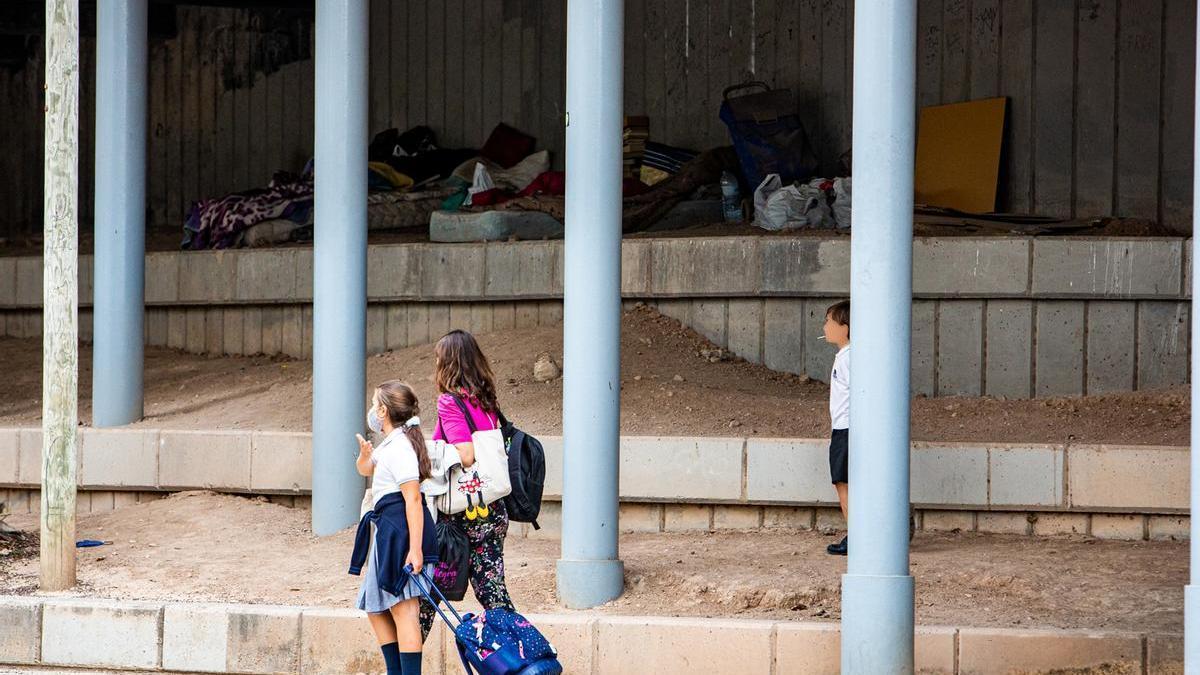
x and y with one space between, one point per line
840 548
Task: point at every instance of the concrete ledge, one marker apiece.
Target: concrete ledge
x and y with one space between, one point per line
29 281
1006 651
341 641
676 470
681 468
996 267
8 282
786 470
1108 267
231 639
819 647
683 645
949 474
20 641
1140 477
706 266
949 267
101 633
281 462
84 633
124 458
806 267
211 460
1026 475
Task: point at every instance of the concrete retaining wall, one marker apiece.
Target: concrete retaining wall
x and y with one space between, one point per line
649 517
85 633
1014 317
715 483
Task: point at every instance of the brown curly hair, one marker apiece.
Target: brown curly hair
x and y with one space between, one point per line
463 369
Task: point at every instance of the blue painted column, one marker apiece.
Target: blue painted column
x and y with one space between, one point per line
339 261
120 255
589 572
877 589
1191 593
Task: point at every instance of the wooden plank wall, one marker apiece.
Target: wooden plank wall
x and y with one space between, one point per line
1100 90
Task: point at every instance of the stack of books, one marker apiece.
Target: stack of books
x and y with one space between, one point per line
637 131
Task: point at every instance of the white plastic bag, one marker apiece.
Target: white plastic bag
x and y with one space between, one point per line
481 183
789 207
841 203
770 185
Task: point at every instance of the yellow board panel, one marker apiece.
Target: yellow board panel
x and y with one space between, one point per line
958 154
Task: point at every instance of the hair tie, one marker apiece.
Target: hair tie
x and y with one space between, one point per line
413 421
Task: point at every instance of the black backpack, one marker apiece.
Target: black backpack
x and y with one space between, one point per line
526 472
526 469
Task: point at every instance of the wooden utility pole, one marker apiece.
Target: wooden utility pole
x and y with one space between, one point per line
60 306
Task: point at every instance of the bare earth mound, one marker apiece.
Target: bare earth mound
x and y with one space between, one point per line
205 547
668 388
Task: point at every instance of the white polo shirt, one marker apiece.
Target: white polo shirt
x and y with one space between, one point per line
395 463
839 390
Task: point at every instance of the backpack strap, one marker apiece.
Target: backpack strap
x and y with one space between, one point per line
462 405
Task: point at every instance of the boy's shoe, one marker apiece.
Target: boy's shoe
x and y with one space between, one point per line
840 548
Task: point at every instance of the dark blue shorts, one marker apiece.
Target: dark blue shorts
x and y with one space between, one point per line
839 456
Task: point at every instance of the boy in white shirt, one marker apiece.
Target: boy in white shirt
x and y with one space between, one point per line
837 333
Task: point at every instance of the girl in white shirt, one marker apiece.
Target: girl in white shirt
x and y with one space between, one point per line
398 465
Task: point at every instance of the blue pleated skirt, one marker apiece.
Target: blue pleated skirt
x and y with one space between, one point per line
372 598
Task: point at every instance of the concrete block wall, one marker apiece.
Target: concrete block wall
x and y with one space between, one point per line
669 516
79 633
716 483
153 460
1010 316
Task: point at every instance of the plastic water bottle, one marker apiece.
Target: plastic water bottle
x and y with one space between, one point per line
731 198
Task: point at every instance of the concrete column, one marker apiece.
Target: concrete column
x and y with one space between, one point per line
121 57
1191 593
339 261
877 590
590 573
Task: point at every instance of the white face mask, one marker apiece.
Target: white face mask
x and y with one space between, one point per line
374 423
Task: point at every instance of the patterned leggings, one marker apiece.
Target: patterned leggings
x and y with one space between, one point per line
486 538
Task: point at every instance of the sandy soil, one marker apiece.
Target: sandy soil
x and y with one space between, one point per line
204 547
668 388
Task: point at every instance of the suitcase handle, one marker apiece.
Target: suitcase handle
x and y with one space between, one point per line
428 594
756 84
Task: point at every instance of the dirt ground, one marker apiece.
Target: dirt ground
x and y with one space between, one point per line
668 388
199 546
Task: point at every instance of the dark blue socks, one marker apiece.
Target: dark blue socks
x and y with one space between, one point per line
400 663
410 663
391 656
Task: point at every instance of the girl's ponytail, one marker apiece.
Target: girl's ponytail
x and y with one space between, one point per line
417 438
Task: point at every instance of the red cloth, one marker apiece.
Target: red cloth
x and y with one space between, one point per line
490 197
549 183
555 183
506 146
